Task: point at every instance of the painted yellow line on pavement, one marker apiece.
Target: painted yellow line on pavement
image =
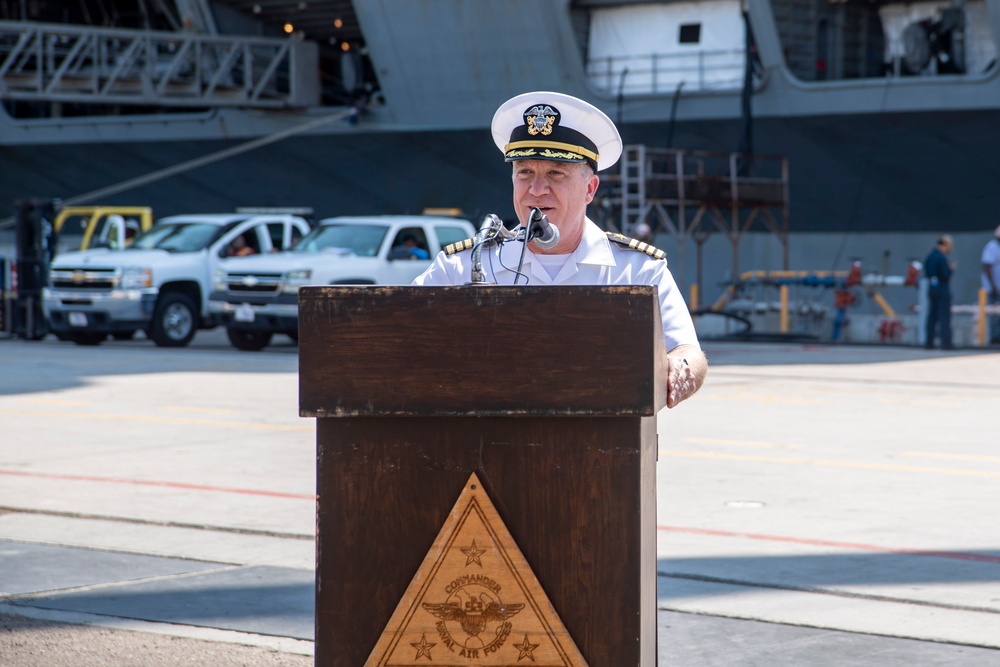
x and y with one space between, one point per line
757 396
55 401
831 464
953 457
95 416
739 443
204 411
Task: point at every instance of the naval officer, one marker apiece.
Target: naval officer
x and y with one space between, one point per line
557 144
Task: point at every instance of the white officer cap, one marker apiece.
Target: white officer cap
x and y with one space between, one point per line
544 125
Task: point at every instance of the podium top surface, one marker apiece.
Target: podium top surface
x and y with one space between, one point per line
480 351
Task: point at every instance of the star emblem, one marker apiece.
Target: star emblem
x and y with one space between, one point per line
473 553
525 649
424 647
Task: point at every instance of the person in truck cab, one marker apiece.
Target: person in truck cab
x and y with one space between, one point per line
410 243
407 247
240 248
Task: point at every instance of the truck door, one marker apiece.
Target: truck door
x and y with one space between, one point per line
409 255
283 235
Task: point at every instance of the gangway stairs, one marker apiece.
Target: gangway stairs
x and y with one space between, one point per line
68 63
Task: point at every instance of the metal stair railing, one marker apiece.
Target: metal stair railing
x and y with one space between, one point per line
62 63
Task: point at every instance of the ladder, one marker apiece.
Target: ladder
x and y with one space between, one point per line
634 206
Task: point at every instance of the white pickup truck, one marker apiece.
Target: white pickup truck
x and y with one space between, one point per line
161 282
258 297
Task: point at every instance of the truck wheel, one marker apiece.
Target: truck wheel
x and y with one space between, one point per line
251 341
86 337
175 321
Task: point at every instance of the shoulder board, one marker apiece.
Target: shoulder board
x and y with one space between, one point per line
636 244
459 246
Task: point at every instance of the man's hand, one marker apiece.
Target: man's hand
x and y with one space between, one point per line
686 370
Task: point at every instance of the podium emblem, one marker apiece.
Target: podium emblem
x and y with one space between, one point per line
474 601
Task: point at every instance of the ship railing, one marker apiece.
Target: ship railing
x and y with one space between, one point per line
664 72
52 62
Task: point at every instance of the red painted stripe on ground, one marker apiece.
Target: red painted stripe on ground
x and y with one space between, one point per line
150 482
957 555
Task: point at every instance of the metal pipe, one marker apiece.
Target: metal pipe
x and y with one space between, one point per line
981 325
783 321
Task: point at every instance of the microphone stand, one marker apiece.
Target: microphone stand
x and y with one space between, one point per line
490 231
535 217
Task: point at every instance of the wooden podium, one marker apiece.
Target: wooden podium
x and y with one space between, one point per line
547 394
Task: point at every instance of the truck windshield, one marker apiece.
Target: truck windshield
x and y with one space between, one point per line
361 240
178 237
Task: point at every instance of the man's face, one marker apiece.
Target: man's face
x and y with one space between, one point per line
561 190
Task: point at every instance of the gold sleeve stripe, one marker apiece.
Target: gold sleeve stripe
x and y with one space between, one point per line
636 244
459 246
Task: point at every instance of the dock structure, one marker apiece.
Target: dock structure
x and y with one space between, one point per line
43 62
693 194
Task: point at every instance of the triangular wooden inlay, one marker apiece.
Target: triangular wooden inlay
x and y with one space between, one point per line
475 601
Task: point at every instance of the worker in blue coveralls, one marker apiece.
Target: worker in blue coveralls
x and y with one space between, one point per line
938 270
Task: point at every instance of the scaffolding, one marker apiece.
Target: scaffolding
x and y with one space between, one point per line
693 194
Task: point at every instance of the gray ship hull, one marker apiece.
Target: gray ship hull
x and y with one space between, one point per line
894 172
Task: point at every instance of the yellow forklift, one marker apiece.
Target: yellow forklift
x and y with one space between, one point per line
83 227
44 229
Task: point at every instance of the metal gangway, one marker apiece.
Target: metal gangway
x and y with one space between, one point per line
68 63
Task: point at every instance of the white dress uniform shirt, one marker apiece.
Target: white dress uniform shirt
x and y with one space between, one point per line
596 261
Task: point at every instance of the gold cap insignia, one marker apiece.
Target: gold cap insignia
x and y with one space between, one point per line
540 119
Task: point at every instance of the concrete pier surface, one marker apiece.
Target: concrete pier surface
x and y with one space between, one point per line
818 505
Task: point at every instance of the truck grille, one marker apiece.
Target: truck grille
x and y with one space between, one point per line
254 283
84 278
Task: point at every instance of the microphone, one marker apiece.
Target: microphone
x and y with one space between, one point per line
541 231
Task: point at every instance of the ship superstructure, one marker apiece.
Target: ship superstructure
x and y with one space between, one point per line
886 112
